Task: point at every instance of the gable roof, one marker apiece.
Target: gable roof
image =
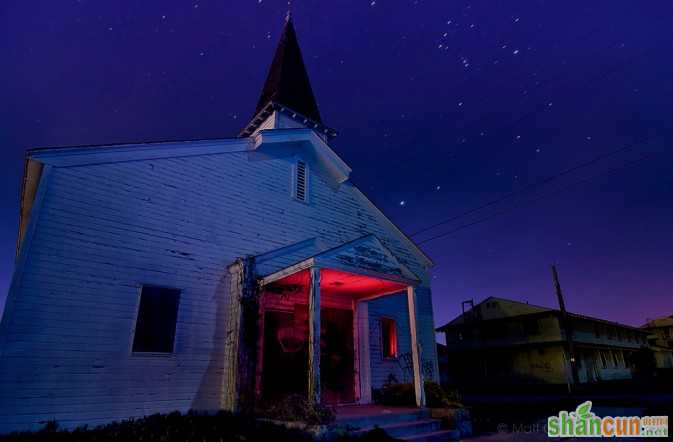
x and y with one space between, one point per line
527 310
365 255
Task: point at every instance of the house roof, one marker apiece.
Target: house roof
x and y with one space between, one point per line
287 84
68 156
665 321
533 310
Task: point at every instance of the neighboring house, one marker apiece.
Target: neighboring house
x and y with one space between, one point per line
661 340
208 275
505 342
443 363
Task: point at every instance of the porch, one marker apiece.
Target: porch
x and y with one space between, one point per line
311 332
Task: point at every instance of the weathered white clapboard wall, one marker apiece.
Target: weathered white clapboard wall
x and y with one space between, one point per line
104 229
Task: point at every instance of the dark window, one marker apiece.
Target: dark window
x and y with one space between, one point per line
531 327
597 330
301 180
389 338
157 316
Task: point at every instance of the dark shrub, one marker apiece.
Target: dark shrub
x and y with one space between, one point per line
397 395
173 427
297 408
437 397
375 435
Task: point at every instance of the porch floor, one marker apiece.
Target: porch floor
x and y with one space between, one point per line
346 412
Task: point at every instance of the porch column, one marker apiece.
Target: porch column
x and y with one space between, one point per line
415 357
314 336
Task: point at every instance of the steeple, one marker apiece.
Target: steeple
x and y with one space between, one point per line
287 88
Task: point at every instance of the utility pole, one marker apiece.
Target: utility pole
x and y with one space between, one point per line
566 326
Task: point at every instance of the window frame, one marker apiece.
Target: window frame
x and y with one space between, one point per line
134 329
387 319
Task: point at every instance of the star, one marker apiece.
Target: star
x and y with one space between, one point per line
402 203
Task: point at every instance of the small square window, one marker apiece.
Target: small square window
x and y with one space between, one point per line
157 317
388 338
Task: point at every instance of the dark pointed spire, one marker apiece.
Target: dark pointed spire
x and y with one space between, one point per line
287 82
287 87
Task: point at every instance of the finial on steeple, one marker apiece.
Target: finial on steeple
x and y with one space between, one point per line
288 16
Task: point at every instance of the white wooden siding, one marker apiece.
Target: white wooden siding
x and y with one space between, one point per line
105 229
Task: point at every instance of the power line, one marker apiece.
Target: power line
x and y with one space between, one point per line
525 189
559 190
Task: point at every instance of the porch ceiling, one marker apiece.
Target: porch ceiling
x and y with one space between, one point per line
339 283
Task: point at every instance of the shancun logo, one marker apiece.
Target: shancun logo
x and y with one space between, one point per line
584 423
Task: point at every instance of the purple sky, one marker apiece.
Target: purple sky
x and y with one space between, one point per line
444 106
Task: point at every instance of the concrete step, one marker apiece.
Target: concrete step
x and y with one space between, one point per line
409 428
383 419
435 436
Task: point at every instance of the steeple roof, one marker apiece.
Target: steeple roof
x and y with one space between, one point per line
287 86
287 82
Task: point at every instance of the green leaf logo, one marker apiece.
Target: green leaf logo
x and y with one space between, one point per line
583 410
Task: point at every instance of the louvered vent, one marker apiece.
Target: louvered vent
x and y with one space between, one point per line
301 181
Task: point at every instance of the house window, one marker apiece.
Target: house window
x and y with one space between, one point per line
301 181
531 327
157 317
389 338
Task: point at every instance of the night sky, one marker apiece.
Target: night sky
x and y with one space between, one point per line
552 118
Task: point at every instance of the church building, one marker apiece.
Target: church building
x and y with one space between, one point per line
209 275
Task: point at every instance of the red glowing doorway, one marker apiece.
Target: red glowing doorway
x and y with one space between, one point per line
285 369
283 347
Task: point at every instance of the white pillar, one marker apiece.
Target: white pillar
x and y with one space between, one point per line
418 378
314 336
362 315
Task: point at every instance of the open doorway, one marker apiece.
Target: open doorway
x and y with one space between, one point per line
337 373
285 358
